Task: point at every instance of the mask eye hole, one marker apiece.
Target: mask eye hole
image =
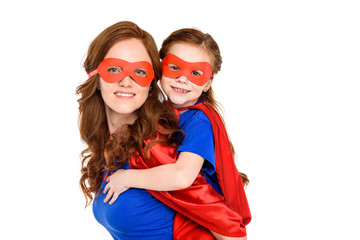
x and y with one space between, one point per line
197 73
141 72
174 67
114 70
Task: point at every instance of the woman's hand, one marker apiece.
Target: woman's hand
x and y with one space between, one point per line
115 186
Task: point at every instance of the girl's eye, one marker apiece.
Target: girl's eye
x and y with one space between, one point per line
174 67
114 70
141 72
197 73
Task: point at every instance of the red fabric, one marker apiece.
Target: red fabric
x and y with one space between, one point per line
199 207
230 184
182 68
124 68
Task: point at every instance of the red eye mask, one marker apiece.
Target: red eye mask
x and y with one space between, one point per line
114 69
198 72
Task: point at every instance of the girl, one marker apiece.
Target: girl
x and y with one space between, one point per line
190 60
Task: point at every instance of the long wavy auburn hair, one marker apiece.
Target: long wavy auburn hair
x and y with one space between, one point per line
154 117
204 40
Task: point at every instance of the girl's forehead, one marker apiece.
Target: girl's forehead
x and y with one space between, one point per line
190 52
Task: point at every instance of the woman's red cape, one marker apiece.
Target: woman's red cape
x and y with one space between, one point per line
199 207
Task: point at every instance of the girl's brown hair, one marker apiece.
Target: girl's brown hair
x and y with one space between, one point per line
153 117
204 40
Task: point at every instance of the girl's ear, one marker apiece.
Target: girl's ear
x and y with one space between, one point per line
208 84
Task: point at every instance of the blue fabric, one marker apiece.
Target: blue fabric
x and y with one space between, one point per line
136 214
199 139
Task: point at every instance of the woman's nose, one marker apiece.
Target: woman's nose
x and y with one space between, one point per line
126 82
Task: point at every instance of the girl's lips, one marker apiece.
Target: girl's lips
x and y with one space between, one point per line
180 90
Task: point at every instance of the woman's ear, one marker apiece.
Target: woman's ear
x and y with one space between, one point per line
98 85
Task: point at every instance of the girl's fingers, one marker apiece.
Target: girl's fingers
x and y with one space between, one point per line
108 196
106 189
114 197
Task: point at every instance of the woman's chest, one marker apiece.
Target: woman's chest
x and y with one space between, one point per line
134 212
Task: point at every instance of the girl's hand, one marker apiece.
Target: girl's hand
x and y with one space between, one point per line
115 186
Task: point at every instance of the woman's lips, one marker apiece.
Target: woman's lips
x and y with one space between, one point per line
124 94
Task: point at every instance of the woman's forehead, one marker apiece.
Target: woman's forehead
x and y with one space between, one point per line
131 50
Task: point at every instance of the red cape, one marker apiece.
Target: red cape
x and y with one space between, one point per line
199 207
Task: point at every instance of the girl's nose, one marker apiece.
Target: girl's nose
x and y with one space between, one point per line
182 79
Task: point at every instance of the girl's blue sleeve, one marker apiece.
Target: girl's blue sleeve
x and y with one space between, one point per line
199 139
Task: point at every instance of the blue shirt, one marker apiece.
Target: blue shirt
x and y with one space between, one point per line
136 214
199 139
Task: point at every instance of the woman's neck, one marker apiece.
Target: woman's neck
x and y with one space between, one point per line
116 121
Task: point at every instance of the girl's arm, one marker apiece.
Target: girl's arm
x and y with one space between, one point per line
221 237
168 177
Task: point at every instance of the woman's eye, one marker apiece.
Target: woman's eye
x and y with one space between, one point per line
197 73
141 72
114 70
174 67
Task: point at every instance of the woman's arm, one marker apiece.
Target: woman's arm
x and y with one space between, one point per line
168 177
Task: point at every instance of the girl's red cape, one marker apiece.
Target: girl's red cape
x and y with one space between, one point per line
199 207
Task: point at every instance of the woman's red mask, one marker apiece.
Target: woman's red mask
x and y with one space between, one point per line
114 70
197 72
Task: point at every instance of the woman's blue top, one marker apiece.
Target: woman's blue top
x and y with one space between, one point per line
135 214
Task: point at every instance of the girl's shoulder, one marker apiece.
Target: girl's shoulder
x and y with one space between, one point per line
194 116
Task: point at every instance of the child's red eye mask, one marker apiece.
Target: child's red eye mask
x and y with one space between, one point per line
114 69
198 72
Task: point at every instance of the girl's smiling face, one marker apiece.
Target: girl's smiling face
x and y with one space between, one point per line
181 91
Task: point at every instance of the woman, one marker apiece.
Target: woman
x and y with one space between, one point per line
116 117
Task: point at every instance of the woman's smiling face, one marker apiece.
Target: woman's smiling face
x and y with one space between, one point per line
124 97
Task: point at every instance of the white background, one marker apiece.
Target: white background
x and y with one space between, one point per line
289 85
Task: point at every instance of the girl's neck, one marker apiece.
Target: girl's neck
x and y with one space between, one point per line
181 108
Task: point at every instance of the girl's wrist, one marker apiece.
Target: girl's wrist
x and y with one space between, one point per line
129 180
